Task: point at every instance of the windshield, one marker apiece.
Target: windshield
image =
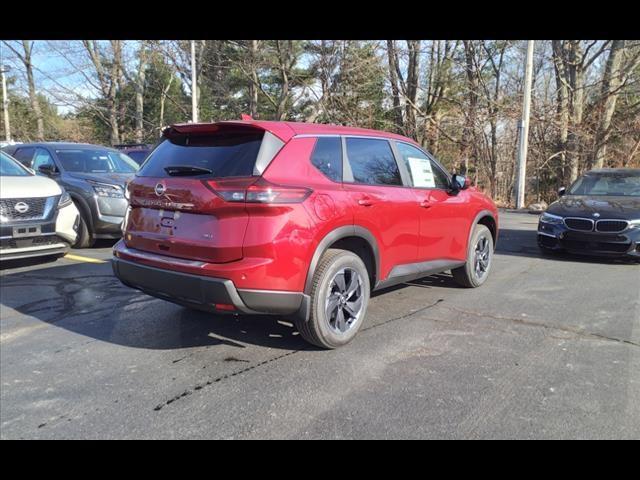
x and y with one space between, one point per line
95 161
9 167
610 184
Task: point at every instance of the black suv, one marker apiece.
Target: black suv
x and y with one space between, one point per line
138 152
95 177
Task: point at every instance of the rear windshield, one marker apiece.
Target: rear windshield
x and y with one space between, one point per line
225 155
95 161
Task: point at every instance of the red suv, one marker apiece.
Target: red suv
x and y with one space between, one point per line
296 219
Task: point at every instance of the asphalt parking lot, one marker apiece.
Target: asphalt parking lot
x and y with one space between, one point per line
549 347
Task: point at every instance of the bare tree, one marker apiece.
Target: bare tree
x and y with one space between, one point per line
25 58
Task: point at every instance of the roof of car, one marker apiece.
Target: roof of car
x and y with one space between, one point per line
286 130
62 145
614 171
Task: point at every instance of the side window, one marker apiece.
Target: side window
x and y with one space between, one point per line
441 178
24 156
327 157
42 157
372 162
423 171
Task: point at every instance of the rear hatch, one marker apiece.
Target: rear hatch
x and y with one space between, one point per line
187 198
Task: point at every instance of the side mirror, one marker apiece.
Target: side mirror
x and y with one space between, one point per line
48 170
562 191
459 182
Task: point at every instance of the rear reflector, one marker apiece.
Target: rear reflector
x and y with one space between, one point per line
224 306
260 191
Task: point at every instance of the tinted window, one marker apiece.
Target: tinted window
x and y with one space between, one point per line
228 155
95 161
372 162
10 168
42 157
24 155
423 171
138 155
327 157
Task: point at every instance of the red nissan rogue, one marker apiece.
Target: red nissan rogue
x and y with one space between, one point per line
296 219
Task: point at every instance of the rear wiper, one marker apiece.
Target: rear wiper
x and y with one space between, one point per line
186 170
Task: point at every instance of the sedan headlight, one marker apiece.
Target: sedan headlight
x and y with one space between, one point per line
65 199
552 219
109 191
634 223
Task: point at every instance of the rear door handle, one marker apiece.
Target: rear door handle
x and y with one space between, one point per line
425 203
365 202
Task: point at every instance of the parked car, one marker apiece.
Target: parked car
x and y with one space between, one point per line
599 214
37 217
297 219
138 152
95 177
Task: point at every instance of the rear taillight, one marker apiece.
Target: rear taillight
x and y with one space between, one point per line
261 191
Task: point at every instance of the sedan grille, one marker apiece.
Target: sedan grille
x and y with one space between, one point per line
582 224
26 208
611 225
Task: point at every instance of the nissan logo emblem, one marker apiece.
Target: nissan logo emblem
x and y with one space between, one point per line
160 189
21 207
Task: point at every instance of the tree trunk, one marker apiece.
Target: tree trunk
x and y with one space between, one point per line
468 134
576 107
412 87
562 111
253 85
611 82
139 87
393 59
33 96
163 97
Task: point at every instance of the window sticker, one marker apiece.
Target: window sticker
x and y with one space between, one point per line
421 172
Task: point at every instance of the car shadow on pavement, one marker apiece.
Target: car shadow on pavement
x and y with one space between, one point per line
524 243
89 300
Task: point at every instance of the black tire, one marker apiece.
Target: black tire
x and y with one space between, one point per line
467 275
85 239
324 330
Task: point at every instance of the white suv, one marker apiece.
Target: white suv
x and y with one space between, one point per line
37 217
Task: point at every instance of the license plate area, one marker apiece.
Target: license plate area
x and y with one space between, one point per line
27 231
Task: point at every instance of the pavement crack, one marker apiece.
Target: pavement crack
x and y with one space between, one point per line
538 323
406 315
212 381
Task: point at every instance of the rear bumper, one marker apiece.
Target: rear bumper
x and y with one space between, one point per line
203 292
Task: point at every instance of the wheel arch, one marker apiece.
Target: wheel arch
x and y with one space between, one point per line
83 207
354 238
486 218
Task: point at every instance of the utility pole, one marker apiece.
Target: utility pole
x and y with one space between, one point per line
5 103
523 129
194 85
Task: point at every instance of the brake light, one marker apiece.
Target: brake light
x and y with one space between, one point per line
261 191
